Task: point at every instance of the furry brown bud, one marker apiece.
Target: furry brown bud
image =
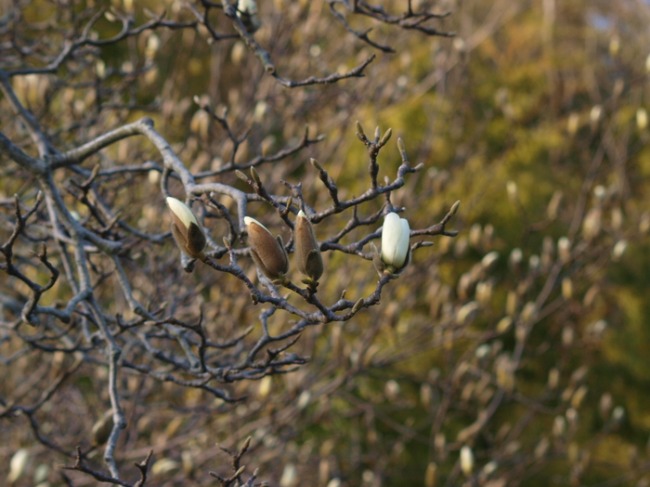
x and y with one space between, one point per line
267 252
308 256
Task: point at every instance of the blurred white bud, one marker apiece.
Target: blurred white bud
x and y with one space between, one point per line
464 284
553 378
533 262
600 193
289 476
595 114
516 256
597 328
303 400
489 259
395 238
567 288
579 396
475 235
200 123
489 468
391 390
484 292
482 351
619 249
264 387
165 466
605 405
100 69
542 448
504 324
641 119
488 235
512 301
467 313
554 205
512 190
460 246
571 417
617 218
647 64
41 473
618 414
237 53
430 475
261 109
459 44
590 296
504 368
153 44
529 312
18 465
592 223
426 395
564 249
644 223
466 460
559 426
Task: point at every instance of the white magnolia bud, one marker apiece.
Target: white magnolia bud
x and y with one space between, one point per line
466 460
185 228
18 465
181 211
395 238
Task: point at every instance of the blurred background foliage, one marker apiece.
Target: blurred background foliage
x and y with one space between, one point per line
525 338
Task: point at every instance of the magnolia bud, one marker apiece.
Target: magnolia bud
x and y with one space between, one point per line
466 460
247 13
185 229
395 241
18 465
308 254
267 252
102 428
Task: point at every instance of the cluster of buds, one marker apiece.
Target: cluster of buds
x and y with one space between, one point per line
269 253
271 258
